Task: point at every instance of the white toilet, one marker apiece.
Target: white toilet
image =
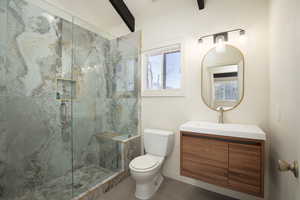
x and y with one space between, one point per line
146 169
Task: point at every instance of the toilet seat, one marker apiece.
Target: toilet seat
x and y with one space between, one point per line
145 163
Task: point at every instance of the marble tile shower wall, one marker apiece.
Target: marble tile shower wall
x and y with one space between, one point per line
45 151
124 83
3 25
32 149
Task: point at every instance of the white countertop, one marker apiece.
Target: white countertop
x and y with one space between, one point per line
231 130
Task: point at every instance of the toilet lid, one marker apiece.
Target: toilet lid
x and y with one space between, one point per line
145 162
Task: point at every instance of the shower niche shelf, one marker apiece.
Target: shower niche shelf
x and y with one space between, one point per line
66 89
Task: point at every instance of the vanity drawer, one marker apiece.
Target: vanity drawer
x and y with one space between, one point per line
245 163
208 173
241 187
205 151
253 180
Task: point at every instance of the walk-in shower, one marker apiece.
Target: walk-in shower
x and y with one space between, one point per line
69 96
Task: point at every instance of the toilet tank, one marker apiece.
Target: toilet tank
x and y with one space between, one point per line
158 142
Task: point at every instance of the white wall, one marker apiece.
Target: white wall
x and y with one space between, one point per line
183 20
284 96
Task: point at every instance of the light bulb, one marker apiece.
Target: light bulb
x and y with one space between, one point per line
220 45
199 45
243 37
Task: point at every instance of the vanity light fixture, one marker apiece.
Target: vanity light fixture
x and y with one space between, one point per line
221 38
220 46
201 4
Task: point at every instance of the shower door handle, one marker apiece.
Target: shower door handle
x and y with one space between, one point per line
63 113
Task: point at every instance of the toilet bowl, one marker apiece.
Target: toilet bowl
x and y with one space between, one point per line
146 169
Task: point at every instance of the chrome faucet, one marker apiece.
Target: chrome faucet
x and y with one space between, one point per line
221 115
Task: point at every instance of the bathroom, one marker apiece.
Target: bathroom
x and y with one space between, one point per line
83 110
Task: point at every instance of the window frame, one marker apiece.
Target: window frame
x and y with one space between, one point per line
164 50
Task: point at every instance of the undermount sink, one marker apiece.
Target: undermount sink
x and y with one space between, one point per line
231 130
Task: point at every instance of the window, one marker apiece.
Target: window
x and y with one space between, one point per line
173 70
162 72
226 90
154 72
226 85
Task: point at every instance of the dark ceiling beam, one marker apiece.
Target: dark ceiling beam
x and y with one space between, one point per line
124 13
201 4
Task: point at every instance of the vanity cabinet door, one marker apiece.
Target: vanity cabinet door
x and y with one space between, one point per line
234 163
204 159
245 168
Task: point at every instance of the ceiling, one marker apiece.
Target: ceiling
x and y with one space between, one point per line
102 14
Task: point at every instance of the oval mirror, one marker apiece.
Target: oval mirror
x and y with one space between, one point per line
223 78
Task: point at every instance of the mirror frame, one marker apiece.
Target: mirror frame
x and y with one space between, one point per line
202 72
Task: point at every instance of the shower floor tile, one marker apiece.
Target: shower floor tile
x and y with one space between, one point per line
87 177
61 188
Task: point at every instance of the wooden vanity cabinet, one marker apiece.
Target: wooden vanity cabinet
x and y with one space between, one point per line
234 163
205 159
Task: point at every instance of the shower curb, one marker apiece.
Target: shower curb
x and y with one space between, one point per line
103 187
131 150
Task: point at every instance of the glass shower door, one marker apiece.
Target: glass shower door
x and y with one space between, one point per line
69 96
35 138
90 109
3 118
105 105
3 44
